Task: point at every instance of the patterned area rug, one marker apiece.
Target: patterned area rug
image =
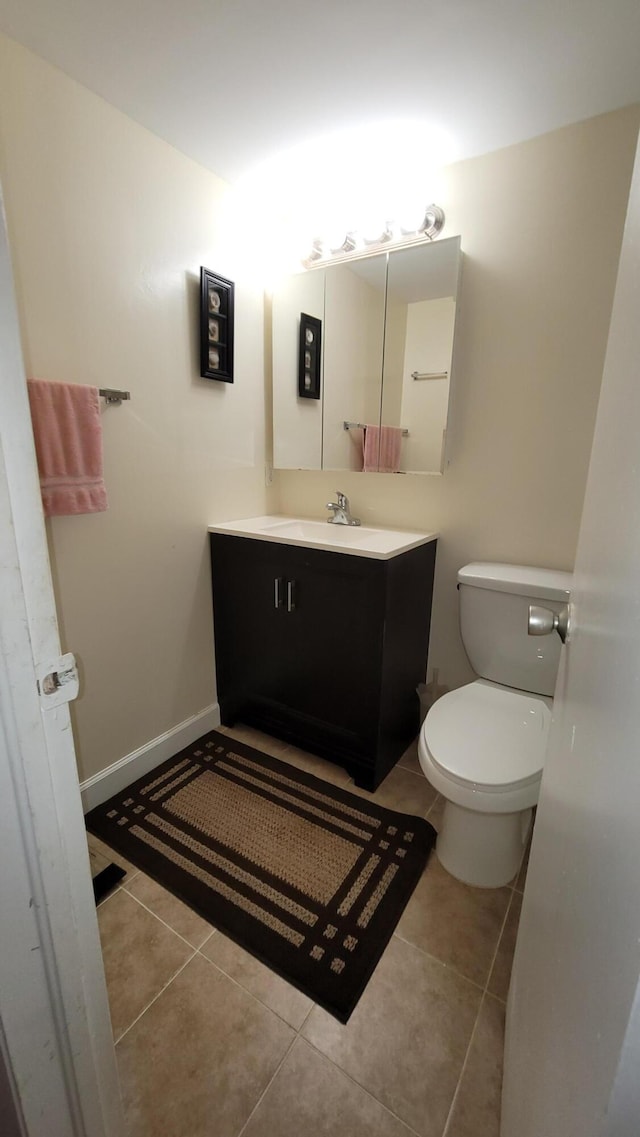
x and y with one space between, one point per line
310 879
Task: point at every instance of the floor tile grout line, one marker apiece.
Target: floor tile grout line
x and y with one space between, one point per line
517 876
485 994
114 892
431 808
408 770
497 947
246 990
360 1086
484 988
490 995
305 1019
463 1067
113 858
161 921
117 1041
434 958
269 1083
108 895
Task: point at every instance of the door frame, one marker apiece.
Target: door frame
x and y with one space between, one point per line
55 1033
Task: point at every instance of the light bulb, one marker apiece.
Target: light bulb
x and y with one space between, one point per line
378 235
341 241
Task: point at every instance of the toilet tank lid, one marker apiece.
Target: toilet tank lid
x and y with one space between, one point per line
524 580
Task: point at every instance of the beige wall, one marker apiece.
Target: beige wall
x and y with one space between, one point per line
541 225
109 227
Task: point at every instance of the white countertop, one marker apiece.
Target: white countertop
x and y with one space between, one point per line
354 540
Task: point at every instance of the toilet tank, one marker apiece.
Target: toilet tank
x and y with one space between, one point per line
494 610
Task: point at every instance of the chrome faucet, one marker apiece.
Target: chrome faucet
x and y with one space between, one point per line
341 511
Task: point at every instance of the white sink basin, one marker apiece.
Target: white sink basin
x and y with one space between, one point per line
321 531
354 540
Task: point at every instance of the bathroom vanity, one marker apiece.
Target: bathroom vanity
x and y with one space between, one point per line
322 634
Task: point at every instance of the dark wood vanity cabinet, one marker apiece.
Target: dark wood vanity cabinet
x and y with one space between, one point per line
323 649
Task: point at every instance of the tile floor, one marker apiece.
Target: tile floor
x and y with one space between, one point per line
211 1044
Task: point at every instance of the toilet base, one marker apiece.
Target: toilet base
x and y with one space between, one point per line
483 849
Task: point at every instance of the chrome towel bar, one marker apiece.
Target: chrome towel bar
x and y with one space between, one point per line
363 426
111 397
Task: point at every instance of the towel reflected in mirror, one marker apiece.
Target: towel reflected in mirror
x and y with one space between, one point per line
381 449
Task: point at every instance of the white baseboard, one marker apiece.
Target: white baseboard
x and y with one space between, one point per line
102 786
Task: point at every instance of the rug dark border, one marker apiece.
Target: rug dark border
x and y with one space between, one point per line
237 926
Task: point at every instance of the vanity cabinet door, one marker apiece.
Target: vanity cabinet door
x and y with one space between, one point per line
334 636
248 609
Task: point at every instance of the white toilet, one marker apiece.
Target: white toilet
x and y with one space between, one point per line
483 746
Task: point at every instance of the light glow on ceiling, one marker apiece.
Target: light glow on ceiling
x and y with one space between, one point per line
365 180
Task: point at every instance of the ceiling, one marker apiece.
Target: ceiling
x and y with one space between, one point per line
231 82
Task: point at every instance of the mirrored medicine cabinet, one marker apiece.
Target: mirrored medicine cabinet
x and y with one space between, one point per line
370 387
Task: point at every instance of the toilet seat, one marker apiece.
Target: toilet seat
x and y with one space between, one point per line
483 746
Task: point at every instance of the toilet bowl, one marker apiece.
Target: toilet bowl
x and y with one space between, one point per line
483 745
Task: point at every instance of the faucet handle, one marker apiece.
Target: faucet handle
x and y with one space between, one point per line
343 500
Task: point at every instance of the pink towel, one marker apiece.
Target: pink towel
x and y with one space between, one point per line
382 449
68 436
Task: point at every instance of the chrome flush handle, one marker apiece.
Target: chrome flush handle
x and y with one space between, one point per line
542 622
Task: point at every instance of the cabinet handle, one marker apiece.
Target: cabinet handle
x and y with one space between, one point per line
291 603
277 592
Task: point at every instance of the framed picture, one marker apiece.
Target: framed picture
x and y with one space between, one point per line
216 326
309 358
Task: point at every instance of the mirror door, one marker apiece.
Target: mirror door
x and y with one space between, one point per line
380 400
353 352
422 287
297 421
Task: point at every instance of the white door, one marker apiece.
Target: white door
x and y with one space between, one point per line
572 1060
56 1051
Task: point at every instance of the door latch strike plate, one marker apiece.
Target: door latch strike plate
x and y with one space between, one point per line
58 681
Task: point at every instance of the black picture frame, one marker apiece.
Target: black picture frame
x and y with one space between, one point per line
216 326
309 357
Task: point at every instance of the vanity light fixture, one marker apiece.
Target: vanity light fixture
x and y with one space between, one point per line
433 222
382 239
316 251
347 246
431 226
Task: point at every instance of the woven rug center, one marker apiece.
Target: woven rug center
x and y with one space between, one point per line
293 848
